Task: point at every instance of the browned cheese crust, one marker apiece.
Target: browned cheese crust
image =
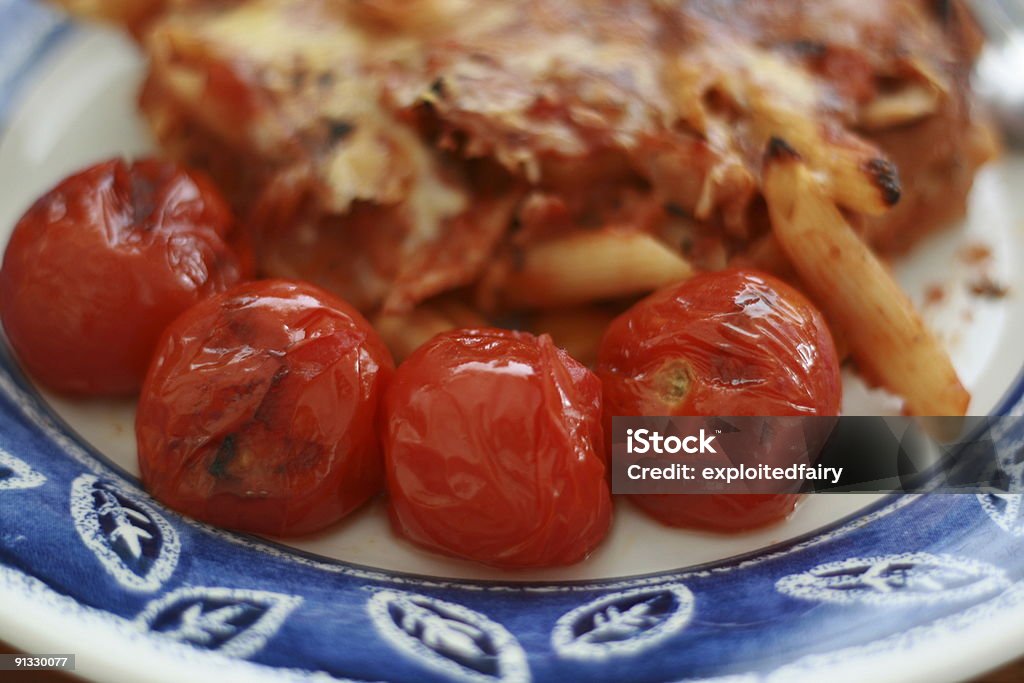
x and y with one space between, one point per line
395 150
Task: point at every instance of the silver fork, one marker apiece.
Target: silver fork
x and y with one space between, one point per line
999 78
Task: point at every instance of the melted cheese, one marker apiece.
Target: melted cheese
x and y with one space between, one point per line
578 98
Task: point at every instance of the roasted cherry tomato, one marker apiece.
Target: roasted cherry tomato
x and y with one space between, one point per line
493 447
728 343
102 263
259 410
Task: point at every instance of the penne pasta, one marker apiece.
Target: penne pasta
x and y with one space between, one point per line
591 266
577 330
886 335
859 177
403 333
908 105
406 152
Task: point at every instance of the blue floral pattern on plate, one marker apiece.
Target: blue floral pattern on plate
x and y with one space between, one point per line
95 548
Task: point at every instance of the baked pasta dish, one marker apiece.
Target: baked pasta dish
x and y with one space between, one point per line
441 163
437 247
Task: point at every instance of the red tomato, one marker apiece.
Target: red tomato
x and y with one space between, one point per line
258 412
493 448
728 343
102 263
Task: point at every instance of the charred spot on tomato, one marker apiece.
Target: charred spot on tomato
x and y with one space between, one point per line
226 453
298 427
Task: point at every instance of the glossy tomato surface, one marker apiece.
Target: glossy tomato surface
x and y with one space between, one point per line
259 410
97 268
493 446
727 343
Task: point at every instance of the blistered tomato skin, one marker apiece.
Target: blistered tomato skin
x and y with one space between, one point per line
493 448
259 410
99 265
728 343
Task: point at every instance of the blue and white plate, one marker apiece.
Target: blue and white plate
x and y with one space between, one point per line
897 588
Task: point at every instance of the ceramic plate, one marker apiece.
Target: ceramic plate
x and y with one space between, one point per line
896 588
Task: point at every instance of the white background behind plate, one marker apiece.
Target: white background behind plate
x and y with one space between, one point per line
83 109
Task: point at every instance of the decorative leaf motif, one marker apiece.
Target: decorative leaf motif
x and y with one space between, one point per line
1005 509
455 638
624 623
614 625
133 542
913 578
452 639
232 621
15 474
